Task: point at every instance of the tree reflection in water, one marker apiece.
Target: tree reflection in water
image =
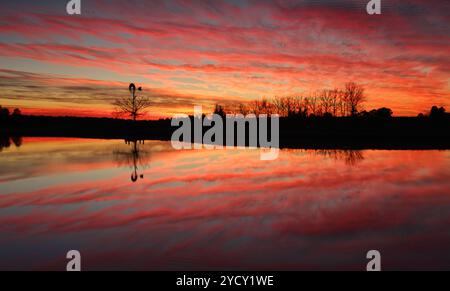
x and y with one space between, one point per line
136 157
5 141
351 157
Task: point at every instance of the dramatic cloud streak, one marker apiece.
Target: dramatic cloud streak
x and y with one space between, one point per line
203 52
222 209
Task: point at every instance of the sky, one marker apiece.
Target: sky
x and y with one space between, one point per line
185 53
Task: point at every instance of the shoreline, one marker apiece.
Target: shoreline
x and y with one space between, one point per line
313 133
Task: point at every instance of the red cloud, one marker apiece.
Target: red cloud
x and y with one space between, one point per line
283 47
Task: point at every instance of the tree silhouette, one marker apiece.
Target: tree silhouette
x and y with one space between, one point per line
322 103
17 112
132 106
4 142
350 157
382 113
219 110
437 112
353 97
327 101
17 141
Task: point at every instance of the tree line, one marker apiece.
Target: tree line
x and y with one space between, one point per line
325 103
344 102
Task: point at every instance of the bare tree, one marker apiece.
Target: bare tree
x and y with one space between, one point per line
336 102
335 95
301 106
255 107
283 106
263 106
354 96
342 104
133 106
243 109
287 106
266 106
220 110
312 105
326 99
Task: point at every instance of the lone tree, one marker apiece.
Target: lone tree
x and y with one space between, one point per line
133 105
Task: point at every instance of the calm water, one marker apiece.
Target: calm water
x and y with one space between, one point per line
196 210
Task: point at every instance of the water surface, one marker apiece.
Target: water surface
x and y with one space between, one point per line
129 206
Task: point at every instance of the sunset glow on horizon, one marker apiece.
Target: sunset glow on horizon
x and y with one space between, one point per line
186 53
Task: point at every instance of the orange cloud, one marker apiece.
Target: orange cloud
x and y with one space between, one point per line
227 51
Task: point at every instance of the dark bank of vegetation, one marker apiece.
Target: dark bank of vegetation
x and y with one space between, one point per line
327 119
336 119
